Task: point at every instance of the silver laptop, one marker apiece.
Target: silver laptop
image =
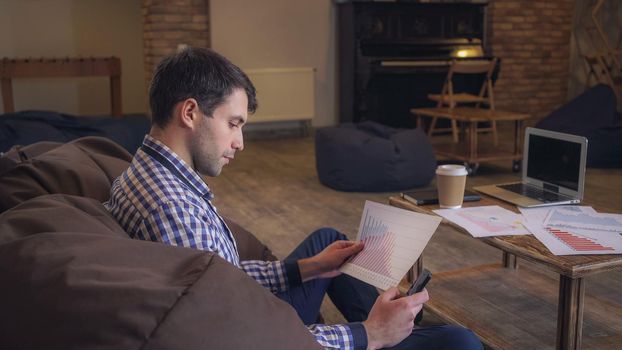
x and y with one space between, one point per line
553 171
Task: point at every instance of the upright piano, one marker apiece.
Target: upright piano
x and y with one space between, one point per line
391 55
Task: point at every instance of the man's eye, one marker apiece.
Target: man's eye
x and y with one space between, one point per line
233 125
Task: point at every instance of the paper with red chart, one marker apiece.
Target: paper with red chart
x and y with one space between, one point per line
486 221
573 241
539 214
576 230
394 239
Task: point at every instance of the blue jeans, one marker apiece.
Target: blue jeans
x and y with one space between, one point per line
355 298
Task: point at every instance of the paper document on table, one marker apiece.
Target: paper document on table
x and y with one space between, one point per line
394 239
485 221
571 241
587 221
539 214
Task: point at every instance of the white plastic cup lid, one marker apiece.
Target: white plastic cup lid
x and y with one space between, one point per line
451 170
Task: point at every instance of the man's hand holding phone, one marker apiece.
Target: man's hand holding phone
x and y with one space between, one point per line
392 317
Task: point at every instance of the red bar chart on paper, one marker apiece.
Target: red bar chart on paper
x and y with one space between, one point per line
379 242
578 243
575 241
394 239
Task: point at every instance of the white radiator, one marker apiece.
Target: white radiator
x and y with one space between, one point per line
284 94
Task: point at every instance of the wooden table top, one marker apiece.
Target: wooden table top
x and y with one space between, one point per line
527 246
470 114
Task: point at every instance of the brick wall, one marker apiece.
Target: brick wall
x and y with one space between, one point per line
532 38
168 23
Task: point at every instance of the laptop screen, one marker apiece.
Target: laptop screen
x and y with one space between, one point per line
554 161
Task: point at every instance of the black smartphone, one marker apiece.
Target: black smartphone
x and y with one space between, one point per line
420 283
430 196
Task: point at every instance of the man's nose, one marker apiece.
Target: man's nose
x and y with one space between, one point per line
238 142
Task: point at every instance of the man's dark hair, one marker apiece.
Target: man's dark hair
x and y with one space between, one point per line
198 73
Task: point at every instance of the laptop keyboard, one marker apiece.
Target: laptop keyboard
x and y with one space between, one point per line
533 192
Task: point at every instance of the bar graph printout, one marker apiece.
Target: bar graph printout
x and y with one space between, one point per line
574 230
539 214
573 241
394 239
563 217
485 221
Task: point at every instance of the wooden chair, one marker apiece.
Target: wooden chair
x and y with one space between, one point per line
451 99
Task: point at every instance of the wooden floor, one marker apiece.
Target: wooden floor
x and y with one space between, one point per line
272 189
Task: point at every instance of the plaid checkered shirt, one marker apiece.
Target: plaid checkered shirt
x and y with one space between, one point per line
160 198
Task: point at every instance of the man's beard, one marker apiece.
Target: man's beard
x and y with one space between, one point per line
209 167
204 163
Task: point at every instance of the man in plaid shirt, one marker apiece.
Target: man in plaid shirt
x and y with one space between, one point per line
200 101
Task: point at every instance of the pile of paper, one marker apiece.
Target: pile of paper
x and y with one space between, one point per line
485 221
575 230
564 230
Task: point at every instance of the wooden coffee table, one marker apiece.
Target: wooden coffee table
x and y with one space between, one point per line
494 299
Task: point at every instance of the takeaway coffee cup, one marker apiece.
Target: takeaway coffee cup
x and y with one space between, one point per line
450 181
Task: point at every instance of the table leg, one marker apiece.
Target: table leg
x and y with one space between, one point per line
7 95
570 313
472 141
463 131
510 260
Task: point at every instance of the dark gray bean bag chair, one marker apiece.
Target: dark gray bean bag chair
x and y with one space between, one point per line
593 115
370 157
27 127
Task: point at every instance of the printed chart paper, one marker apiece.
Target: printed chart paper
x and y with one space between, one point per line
575 230
394 239
580 220
571 241
485 221
539 215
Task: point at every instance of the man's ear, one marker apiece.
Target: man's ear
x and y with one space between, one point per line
189 113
